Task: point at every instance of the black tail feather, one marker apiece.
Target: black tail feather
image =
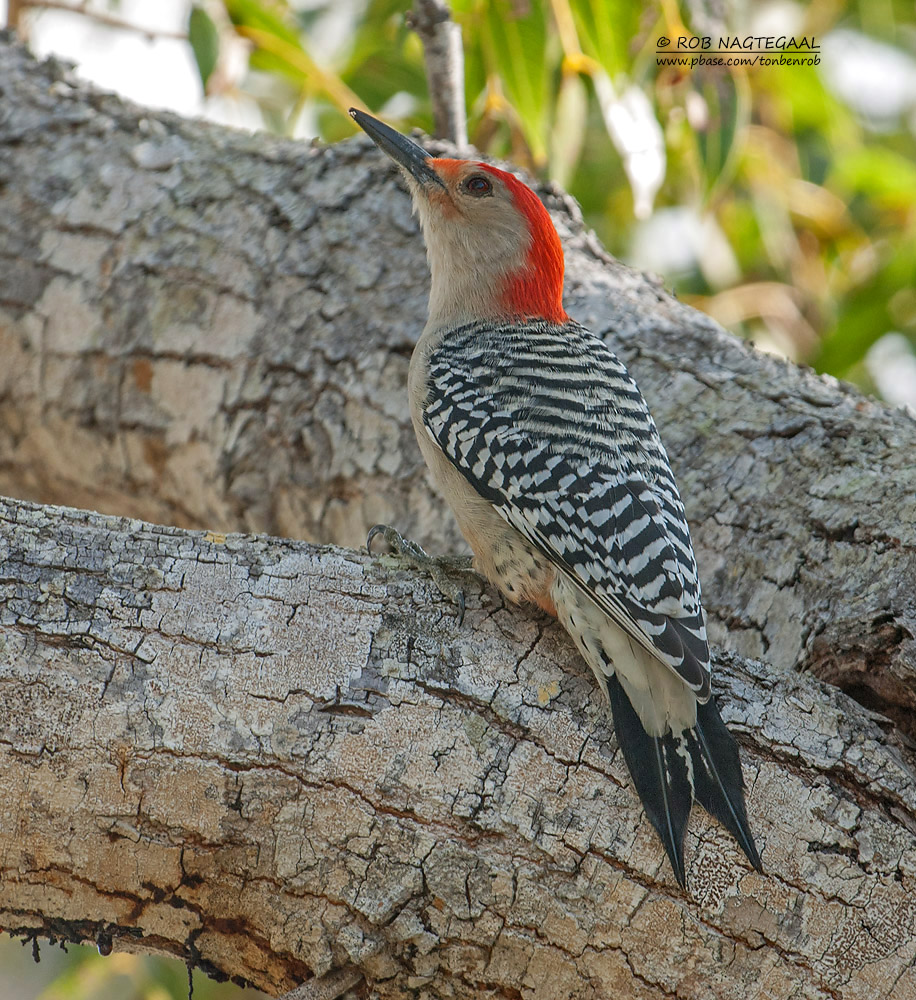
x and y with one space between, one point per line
659 773
658 766
717 778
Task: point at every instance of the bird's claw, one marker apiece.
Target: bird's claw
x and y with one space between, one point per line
438 568
402 546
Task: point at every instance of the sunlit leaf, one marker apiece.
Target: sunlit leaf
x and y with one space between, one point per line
263 60
256 14
568 132
606 29
278 47
385 57
517 45
881 173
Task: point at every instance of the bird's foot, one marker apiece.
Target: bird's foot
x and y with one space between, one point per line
440 568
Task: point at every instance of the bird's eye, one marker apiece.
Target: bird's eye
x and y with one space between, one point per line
478 186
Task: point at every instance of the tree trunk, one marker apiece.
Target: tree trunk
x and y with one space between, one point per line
275 760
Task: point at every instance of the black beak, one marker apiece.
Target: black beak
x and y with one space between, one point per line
405 153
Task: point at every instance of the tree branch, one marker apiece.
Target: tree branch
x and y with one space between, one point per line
211 329
276 761
14 19
99 16
328 987
444 57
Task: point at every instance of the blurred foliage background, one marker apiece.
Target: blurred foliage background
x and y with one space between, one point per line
79 972
779 199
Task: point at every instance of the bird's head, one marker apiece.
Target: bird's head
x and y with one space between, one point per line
493 249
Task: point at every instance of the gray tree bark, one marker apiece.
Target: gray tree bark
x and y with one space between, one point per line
276 760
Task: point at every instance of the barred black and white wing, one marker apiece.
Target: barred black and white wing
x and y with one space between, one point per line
546 423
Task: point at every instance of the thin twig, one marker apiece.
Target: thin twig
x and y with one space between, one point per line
444 56
328 987
14 22
96 15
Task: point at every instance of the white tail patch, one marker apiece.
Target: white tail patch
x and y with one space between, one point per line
660 698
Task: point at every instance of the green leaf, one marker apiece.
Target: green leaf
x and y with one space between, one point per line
717 138
256 14
278 47
605 29
866 312
385 58
262 61
204 39
519 54
879 173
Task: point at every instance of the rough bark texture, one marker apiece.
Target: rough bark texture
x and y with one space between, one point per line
274 760
212 329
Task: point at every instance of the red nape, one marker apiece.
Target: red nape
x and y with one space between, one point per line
536 290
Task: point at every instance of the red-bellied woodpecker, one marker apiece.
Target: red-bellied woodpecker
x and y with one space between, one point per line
545 450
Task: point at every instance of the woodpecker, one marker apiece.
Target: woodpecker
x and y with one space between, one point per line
545 450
